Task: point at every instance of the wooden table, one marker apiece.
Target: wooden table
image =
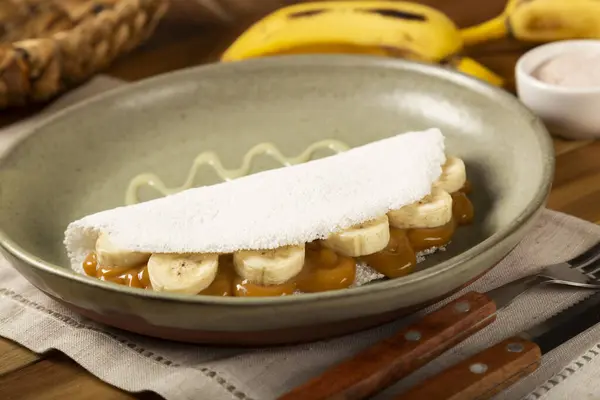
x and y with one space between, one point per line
183 41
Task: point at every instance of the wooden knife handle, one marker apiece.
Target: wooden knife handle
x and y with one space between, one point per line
483 375
382 364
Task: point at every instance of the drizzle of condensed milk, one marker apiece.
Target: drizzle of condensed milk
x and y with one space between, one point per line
211 159
575 69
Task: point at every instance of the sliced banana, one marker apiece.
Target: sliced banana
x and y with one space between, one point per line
269 267
182 273
111 256
432 211
361 240
454 175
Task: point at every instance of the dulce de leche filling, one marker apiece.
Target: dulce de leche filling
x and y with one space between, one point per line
397 259
323 269
133 277
223 283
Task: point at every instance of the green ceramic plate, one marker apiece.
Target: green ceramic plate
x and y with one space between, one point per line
81 161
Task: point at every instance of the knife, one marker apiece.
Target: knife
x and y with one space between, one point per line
388 361
498 367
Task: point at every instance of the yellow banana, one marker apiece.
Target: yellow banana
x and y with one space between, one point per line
473 68
540 21
384 28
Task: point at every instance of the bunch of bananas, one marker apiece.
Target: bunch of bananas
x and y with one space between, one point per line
539 21
385 28
409 30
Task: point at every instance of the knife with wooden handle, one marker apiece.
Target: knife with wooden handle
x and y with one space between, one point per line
387 361
483 375
487 373
384 363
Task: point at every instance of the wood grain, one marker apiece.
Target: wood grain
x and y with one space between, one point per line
59 378
384 363
482 375
14 357
576 186
562 146
183 40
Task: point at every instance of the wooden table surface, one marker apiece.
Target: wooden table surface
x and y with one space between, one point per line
182 40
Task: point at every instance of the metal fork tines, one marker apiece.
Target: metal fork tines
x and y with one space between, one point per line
581 271
588 262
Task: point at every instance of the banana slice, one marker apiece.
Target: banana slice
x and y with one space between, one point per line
361 240
269 267
454 175
182 273
111 256
432 211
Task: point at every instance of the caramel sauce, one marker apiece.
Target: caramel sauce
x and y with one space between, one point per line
133 277
221 286
145 278
462 214
243 288
426 238
466 189
462 208
223 283
90 264
112 273
325 270
397 259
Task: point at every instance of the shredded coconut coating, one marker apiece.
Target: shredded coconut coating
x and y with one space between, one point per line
285 206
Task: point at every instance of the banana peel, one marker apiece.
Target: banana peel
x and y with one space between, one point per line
540 21
382 28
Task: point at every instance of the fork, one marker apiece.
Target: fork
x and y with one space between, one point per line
581 271
387 361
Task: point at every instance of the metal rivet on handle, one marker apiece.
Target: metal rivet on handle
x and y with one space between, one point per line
412 336
478 368
462 307
515 347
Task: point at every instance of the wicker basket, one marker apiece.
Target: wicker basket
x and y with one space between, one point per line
48 46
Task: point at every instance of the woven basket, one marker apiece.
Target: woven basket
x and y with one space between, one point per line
48 46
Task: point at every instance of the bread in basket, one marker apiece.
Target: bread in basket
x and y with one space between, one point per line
47 46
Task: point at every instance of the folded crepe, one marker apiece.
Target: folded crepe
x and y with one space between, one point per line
284 206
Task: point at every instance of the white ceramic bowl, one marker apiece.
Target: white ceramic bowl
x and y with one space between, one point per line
573 113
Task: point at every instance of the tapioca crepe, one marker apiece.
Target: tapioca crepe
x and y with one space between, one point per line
285 206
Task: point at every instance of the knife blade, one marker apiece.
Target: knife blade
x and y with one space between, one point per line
495 369
389 360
